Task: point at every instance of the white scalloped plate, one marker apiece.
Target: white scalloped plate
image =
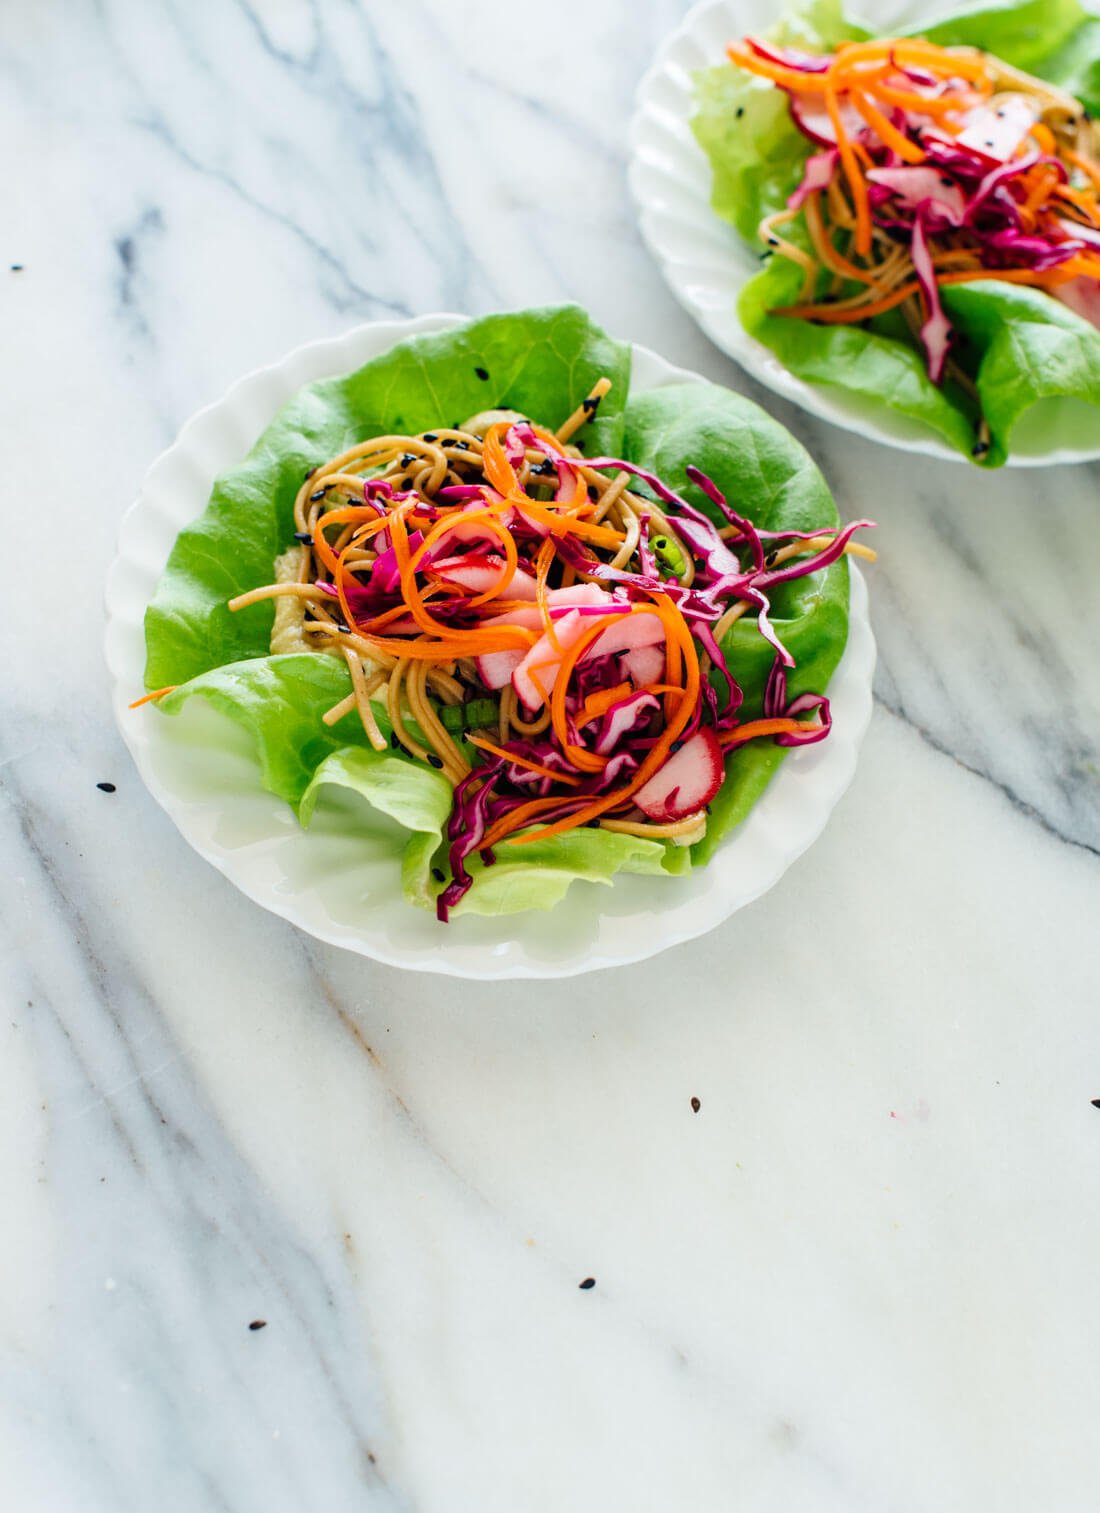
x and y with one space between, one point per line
706 264
335 881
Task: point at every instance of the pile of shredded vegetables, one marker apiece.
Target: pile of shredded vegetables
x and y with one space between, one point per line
544 635
933 166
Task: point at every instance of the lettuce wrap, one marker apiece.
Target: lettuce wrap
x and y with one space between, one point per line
541 363
1017 345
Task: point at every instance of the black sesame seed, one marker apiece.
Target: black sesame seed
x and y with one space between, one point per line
430 436
435 760
593 492
17 267
439 874
1095 1102
764 256
258 1324
407 459
979 449
695 1105
588 1284
310 472
989 141
320 494
773 241
461 446
945 180
676 746
739 112
106 787
482 373
303 535
341 626
544 468
591 404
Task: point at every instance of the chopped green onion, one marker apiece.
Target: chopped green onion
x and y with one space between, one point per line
668 553
472 716
481 712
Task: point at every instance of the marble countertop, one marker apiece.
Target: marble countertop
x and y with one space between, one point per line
862 1275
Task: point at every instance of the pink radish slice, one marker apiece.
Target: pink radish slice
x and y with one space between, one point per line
996 134
816 123
479 574
919 186
644 665
627 634
495 668
630 632
820 167
530 616
622 718
686 783
534 678
789 57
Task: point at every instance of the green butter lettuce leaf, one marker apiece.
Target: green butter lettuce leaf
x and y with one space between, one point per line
538 874
881 369
744 127
542 362
770 477
1022 345
1032 347
280 701
548 360
416 796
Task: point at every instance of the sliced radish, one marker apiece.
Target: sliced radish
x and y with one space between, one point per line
819 169
622 718
529 617
644 665
997 134
814 121
495 668
627 634
479 574
534 678
687 782
917 186
465 532
790 57
543 660
475 572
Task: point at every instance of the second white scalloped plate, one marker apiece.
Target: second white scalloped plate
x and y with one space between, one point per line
339 881
706 264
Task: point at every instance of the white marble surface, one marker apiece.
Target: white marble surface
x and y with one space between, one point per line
863 1275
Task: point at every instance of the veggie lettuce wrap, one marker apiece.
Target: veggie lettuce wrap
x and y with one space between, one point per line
546 654
928 208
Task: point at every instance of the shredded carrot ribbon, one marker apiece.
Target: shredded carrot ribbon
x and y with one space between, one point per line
157 693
